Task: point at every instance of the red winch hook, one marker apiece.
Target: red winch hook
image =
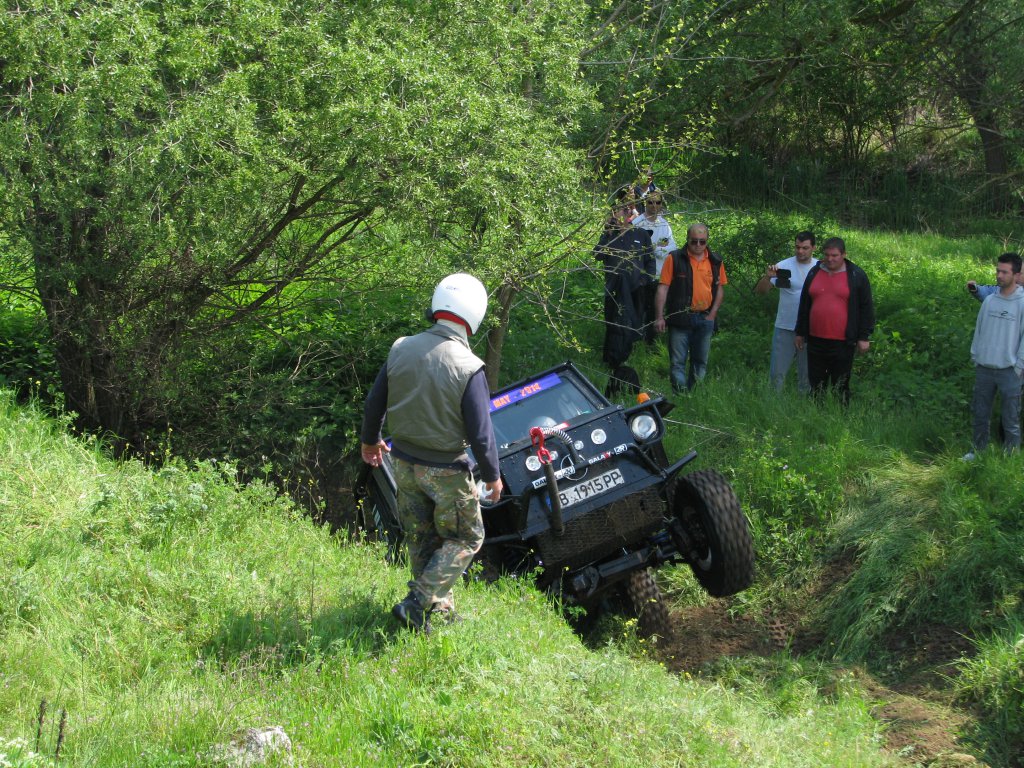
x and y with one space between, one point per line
537 438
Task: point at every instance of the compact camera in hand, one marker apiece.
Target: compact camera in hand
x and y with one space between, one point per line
782 278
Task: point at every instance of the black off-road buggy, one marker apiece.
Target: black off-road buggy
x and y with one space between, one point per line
591 501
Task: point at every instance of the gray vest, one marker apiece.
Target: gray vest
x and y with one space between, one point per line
427 377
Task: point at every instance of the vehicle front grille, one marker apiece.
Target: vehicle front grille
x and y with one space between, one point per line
602 531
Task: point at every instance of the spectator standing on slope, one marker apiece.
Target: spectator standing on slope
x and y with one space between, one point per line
788 276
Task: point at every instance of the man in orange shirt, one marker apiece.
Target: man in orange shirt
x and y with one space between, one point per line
687 302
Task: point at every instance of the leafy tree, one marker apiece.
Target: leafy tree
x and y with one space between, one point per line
854 86
177 169
970 50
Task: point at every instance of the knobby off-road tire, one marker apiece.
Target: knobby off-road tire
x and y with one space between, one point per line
383 522
648 604
707 507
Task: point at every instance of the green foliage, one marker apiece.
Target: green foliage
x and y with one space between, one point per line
16 753
882 114
792 505
934 544
751 240
949 197
993 679
26 357
205 165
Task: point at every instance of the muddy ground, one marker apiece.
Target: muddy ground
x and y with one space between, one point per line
922 723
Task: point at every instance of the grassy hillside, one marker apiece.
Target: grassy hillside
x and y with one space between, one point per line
166 610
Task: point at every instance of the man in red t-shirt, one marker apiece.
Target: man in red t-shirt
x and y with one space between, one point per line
835 319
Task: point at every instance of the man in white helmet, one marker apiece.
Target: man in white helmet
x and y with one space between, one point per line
434 393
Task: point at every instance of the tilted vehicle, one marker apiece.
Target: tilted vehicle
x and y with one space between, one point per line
591 502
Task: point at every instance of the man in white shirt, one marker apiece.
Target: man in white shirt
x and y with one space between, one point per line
789 287
661 231
663 242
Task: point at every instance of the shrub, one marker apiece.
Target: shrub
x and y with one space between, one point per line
27 364
935 544
994 680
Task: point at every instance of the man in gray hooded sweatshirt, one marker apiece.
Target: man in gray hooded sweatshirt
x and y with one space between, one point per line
998 355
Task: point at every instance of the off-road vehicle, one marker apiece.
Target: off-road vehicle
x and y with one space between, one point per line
591 501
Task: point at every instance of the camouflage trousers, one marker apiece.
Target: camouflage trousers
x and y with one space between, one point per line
439 512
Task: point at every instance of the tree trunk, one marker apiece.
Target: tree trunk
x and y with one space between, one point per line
496 336
971 84
997 165
79 310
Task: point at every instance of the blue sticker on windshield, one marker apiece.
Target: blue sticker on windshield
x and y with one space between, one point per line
515 395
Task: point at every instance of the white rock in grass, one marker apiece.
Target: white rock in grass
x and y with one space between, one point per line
254 746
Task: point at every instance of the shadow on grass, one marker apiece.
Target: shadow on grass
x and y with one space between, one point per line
287 636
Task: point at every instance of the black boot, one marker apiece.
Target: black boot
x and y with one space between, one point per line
411 614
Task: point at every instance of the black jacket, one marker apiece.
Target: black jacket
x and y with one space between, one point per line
629 252
628 259
680 291
860 311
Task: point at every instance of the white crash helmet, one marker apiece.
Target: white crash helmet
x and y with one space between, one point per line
462 295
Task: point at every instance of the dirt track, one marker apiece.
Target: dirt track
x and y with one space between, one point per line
921 723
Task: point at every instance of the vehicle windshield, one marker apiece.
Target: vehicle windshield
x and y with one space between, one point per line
545 402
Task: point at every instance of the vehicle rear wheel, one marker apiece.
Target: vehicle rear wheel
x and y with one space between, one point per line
647 602
720 548
382 520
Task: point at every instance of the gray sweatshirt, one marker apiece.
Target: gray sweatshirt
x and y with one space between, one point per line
999 332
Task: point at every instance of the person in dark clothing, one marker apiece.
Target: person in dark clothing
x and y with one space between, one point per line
835 320
628 258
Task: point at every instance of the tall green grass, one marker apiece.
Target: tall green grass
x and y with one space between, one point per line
993 680
938 543
166 610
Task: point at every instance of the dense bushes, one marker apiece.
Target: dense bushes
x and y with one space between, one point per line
26 358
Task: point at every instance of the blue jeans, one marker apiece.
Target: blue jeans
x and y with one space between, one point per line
783 352
987 382
693 344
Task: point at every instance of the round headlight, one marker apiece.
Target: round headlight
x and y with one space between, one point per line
643 426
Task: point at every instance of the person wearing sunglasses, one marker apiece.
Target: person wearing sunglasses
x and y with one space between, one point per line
664 243
686 304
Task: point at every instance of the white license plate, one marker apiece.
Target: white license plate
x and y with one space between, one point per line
589 488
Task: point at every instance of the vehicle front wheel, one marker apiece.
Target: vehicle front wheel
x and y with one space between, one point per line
716 534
